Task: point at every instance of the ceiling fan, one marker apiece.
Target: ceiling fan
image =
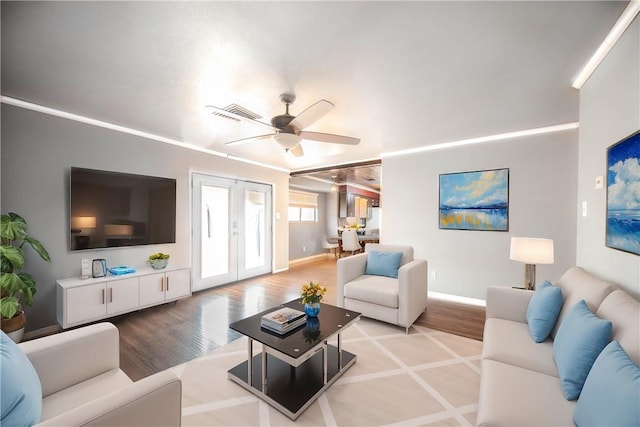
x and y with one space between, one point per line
287 130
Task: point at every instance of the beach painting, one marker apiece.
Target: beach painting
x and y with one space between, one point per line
475 200
623 195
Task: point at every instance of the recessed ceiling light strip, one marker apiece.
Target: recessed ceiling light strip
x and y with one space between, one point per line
490 138
87 120
618 29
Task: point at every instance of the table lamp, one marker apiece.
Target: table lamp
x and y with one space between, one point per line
531 251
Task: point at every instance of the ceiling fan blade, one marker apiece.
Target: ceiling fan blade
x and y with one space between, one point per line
329 137
234 116
311 114
297 151
251 139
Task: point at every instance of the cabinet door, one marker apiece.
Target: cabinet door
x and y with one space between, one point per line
85 303
122 295
152 289
178 284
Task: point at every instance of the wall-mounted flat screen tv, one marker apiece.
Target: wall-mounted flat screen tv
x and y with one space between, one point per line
114 209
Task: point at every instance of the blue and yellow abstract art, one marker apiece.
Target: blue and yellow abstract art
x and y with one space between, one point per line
475 200
623 195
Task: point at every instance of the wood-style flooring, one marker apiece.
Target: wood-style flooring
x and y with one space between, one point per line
160 337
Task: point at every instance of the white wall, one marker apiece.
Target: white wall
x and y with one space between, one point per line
609 111
542 195
37 153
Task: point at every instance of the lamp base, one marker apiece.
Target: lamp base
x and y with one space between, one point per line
530 277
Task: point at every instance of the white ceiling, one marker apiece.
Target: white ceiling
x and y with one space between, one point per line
401 74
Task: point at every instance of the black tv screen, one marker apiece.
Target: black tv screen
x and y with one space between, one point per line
113 209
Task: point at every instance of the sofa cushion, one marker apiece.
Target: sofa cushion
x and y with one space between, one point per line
509 342
378 290
579 341
611 393
624 312
543 310
512 396
21 396
577 284
383 263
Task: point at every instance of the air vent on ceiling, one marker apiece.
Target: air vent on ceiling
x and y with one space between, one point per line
240 111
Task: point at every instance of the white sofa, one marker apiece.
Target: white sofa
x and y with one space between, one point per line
398 301
83 385
520 385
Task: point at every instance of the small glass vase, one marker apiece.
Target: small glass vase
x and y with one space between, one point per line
312 309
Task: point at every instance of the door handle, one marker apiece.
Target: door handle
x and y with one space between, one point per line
102 297
110 294
167 284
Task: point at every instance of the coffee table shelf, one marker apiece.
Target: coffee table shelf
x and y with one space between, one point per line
293 370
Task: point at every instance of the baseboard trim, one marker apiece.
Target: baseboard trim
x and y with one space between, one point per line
457 298
307 259
47 330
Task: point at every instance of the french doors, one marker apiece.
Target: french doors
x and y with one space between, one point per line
231 230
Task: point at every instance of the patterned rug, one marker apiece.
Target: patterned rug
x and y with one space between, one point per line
424 378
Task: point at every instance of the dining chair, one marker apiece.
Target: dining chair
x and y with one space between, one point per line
332 247
350 242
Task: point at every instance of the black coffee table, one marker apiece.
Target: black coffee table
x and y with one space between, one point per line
294 369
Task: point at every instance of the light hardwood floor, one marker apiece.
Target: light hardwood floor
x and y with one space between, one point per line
160 337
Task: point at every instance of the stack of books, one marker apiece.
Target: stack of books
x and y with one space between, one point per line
283 320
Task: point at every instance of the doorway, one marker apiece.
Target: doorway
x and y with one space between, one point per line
231 230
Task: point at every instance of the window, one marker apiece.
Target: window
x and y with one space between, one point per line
303 207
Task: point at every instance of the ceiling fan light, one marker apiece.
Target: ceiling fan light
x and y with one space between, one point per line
286 140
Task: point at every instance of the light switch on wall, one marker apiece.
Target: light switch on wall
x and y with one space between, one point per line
584 208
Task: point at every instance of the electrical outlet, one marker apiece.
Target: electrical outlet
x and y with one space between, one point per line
434 275
304 249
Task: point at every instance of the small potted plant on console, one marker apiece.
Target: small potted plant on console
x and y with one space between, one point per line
159 260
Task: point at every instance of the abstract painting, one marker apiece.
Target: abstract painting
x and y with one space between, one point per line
475 200
623 195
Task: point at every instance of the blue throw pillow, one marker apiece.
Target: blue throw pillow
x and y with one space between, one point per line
21 397
383 263
543 310
580 339
611 393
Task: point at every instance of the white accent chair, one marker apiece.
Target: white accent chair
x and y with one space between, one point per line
331 247
398 301
350 242
83 385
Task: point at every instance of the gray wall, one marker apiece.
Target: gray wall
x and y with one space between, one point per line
609 111
37 152
542 195
305 238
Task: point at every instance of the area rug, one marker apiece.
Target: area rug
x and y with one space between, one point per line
424 378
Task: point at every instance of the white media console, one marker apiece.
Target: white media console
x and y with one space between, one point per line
82 301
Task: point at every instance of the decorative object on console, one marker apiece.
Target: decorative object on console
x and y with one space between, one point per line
159 260
531 251
311 295
474 200
17 287
623 206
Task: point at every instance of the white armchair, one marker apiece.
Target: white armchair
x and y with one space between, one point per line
399 301
83 385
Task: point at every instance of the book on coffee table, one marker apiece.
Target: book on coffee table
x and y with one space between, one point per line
283 320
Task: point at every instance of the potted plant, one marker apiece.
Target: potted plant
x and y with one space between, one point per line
159 260
16 286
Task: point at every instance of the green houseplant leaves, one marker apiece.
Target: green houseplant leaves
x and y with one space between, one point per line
16 286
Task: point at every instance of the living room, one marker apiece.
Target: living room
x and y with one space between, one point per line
551 175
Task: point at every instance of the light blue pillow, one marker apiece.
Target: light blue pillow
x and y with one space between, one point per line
383 263
21 397
611 393
543 310
579 340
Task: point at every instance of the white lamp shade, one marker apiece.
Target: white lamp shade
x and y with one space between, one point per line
531 250
83 222
287 140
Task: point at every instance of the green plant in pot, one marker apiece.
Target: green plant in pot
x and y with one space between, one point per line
16 286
